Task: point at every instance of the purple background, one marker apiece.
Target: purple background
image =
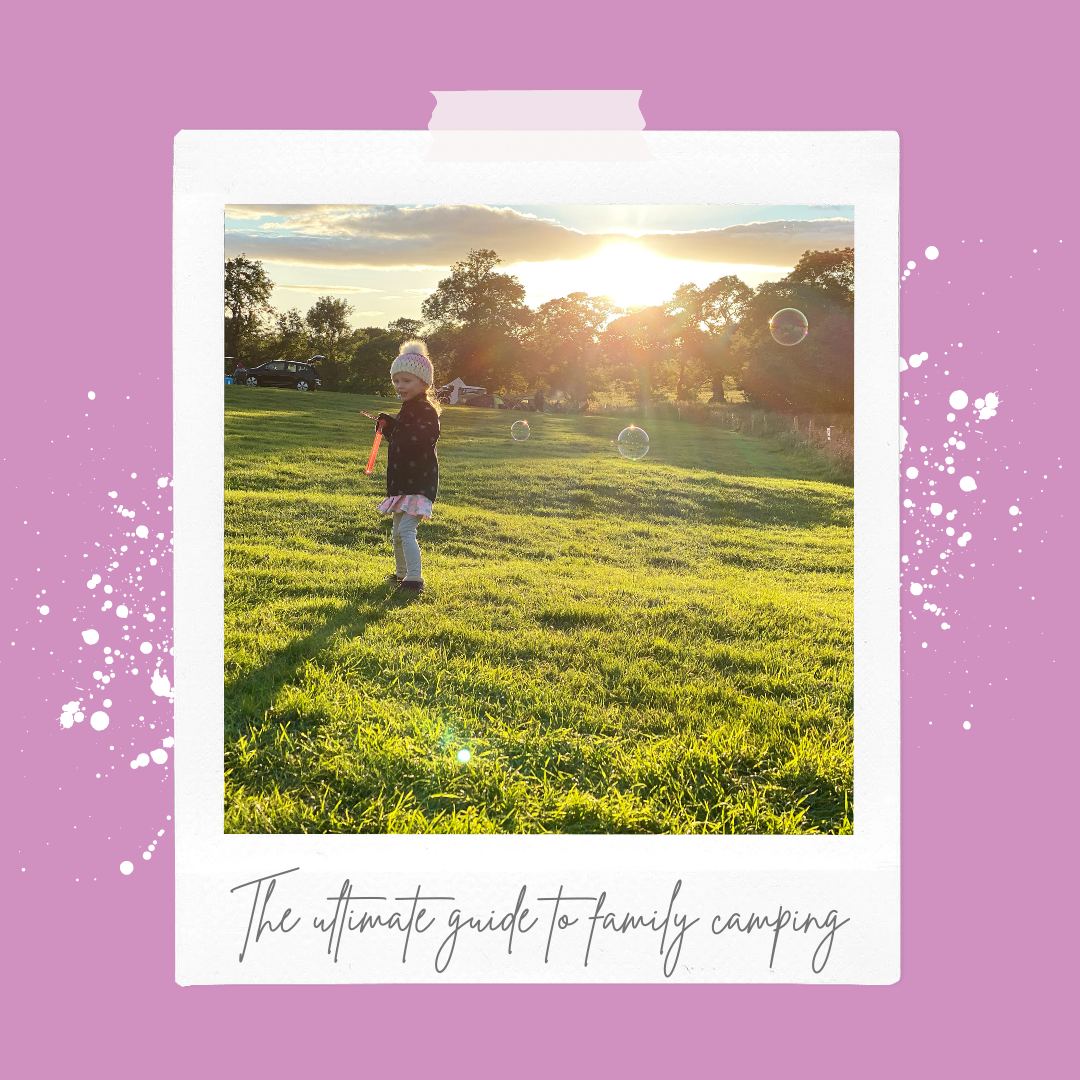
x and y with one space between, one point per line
94 95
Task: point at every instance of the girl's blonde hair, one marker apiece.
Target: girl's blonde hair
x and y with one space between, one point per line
415 345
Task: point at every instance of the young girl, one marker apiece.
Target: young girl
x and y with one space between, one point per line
412 470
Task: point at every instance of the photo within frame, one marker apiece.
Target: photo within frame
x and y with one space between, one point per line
600 576
557 597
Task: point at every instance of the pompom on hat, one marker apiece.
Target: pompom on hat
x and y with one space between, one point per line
414 359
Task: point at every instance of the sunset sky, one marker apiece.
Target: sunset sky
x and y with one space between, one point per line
386 259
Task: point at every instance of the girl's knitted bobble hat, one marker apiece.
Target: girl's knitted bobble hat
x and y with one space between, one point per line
414 359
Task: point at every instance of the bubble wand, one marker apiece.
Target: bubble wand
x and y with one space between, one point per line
374 446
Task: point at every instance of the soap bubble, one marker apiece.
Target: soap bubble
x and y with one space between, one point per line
633 443
788 326
519 430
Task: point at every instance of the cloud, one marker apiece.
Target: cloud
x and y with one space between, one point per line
433 237
326 288
254 211
761 243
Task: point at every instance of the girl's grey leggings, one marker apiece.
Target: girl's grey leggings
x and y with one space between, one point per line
406 549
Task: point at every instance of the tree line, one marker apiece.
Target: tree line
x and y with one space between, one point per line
699 345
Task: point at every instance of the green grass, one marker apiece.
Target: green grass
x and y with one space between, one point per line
661 646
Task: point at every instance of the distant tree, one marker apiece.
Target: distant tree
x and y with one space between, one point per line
563 344
291 339
328 326
703 322
817 374
637 348
475 295
405 329
479 320
832 272
368 368
248 289
689 334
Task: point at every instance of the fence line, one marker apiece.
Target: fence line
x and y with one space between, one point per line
827 434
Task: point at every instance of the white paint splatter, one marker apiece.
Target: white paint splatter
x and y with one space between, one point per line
70 714
44 609
915 588
967 483
122 612
916 359
912 472
1014 510
167 741
159 756
987 406
936 508
146 647
126 867
963 540
160 684
90 637
958 399
162 481
142 532
91 395
932 252
99 721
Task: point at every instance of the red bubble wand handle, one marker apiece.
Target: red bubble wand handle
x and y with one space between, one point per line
374 448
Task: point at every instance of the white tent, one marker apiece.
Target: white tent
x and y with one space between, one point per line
458 388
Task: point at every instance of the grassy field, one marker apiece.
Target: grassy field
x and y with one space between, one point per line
660 646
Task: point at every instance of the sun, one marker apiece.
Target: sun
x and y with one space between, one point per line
626 273
622 270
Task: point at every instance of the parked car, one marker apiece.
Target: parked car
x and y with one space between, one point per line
291 373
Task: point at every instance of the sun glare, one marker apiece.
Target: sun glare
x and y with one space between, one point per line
627 273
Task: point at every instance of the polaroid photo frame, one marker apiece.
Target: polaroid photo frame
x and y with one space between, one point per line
513 908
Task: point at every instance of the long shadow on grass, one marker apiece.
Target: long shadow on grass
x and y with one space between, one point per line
249 697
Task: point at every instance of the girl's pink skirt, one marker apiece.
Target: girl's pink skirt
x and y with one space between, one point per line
419 505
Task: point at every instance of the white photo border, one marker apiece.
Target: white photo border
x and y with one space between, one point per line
857 876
